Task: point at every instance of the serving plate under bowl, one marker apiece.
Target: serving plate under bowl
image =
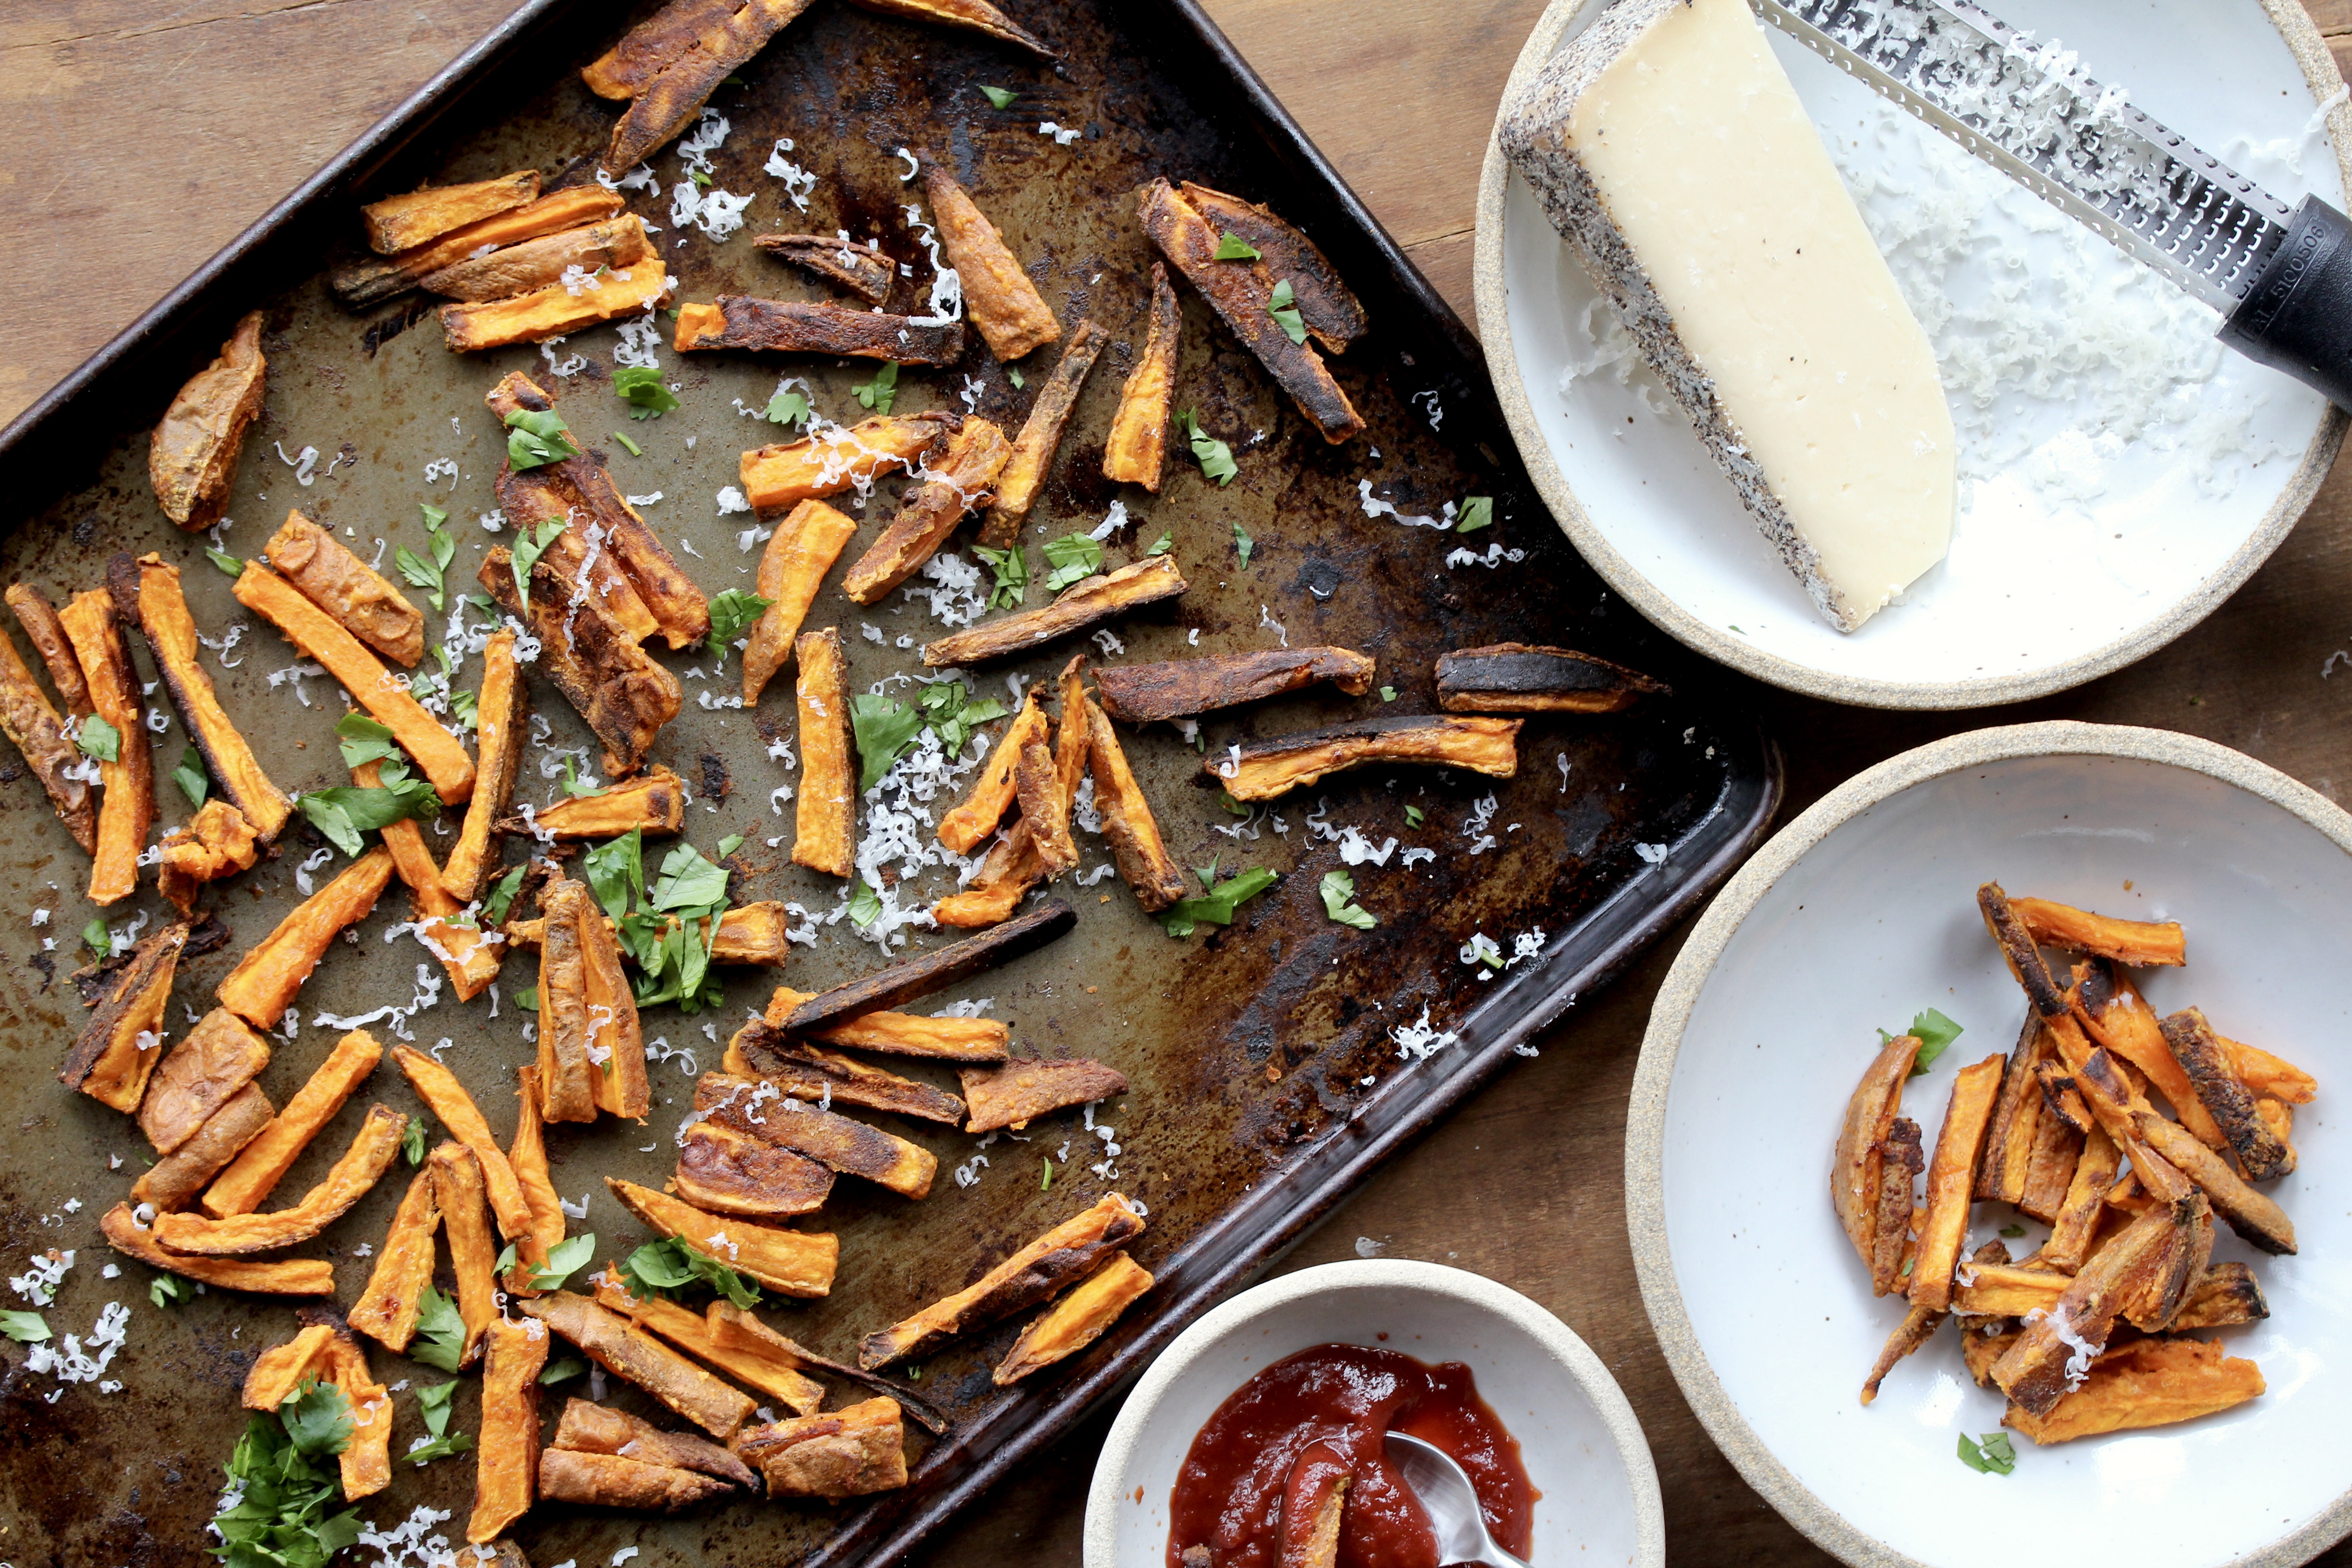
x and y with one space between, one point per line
2075 551
1598 1490
1855 916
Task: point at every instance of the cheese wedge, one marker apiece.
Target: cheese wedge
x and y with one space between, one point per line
1668 147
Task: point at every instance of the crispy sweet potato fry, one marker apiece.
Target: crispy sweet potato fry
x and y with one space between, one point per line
2033 1372
2017 1113
754 1367
616 1045
217 842
2226 1294
652 802
1018 1092
1140 693
836 459
527 1157
956 479
364 603
971 16
498 709
1144 863
2149 1382
1919 1325
371 1153
384 695
401 222
837 1143
1854 1165
219 1057
2141 944
47 633
621 71
457 1193
864 270
2050 1170
1268 770
845 1453
2268 1076
148 592
617 688
288 1277
1951 1178
670 99
1062 1256
262 985
1032 450
374 278
2113 1013
1902 1160
118 1046
1012 317
731 1325
2252 1215
594 248
470 954
126 806
588 1428
933 970
791 326
1136 450
610 1480
729 1172
1520 677
193 456
612 1342
1084 603
2262 1154
2079 1212
173 1181
1076 1321
806 1072
825 836
566 1076
1045 807
38 733
789 1262
553 311
1314 1501
903 1033
801 551
506 1473
534 496
1327 307
438 1087
386 1309
974 817
277 1373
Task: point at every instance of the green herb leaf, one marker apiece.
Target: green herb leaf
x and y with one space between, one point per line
1162 545
789 407
702 178
1935 1034
732 611
641 385
563 1371
1283 306
170 1291
434 516
634 450
318 1419
99 738
1012 568
864 904
502 895
729 845
346 811
1412 816
1233 247
279 1517
616 869
527 1000
886 730
1012 375
25 1328
565 1260
418 573
1244 544
225 561
1216 459
1217 904
1388 693
527 552
688 881
190 775
1993 1456
440 1333
573 786
432 1404
1338 887
665 1267
536 439
1046 1185
2012 1230
95 938
411 1141
363 740
881 392
1001 97
1477 512
1074 556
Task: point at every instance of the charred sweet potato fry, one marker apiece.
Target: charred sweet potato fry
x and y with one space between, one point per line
1061 1256
617 688
1268 770
1076 1321
217 842
610 1480
836 459
837 1143
621 71
173 1181
790 326
262 1164
824 835
506 1474
588 1428
291 1276
2149 1383
594 249
2112 1012
340 583
1902 1160
933 970
956 479
386 1309
2141 944
527 1157
458 1194
1144 863
1854 1166
1951 1178
845 263
219 1057
38 733
754 1368
1242 292
652 802
2033 1371
612 1342
439 755
729 1172
262 985
2080 1211
1045 807
193 456
800 551
575 554
1018 1092
902 1034
147 591
126 806
567 1085
2227 1294
1136 450
438 1087
401 222
974 818
371 1150
668 101
845 1453
119 1044
1140 693
2252 1215
2268 1076
374 278
760 1051
732 1326
789 1262
2016 1118
2050 1169
1083 604
1917 1327
1012 317
553 311
498 710
1327 306
971 16
1520 677
2261 1152
47 633
1032 450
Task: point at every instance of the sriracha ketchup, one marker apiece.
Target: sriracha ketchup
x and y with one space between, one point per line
1282 1434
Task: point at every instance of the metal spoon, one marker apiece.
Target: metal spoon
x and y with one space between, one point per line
1449 1500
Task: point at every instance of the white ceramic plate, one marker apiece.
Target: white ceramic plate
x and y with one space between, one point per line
2076 552
1583 1450
1856 916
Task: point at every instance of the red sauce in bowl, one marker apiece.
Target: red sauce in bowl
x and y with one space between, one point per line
1326 1410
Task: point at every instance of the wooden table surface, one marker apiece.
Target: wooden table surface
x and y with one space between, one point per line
143 143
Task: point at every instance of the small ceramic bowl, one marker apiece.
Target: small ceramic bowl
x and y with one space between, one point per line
1583 1450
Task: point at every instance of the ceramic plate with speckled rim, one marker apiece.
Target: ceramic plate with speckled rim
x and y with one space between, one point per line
2074 553
1856 916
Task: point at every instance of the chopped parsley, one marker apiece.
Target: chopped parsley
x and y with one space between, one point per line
686 881
280 1489
864 904
729 845
565 1260
1283 306
634 450
432 1404
362 740
1162 545
190 775
641 387
1388 694
664 934
1012 375
25 1328
1477 512
537 440
886 729
225 561
789 407
1216 459
573 786
881 392
440 1333
2012 1231
1233 247
731 612
502 895
563 1371
1074 557
668 1267
615 870
1243 544
528 549
170 1291
1935 1034
411 1141
94 937
1217 904
99 738
1993 1456
1000 96
1012 568
1338 889
1046 1185
1411 813
346 811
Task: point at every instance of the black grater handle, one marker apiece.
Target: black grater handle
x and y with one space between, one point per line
2297 317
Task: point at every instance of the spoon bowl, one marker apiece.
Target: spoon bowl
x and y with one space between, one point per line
1445 1494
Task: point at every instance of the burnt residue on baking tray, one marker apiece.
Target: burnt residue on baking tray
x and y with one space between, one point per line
1272 1062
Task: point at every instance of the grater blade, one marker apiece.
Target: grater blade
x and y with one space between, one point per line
2026 109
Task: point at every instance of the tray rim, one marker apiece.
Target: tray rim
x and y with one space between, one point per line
1645 1124
2321 75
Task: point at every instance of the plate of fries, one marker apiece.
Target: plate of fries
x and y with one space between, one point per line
1981 1157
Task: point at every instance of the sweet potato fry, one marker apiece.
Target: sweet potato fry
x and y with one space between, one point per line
670 99
374 278
438 1087
193 456
173 1181
290 1277
38 733
729 1172
2085 1200
470 954
2252 1215
2226 1294
1012 317
1144 863
845 1453
1902 1160
955 480
653 804
575 554
1045 807
277 1373
836 459
825 815
1268 770
527 1157
974 817
567 1077
1520 677
118 1046
1951 1178
361 602
616 1045
866 270
1329 309
801 551
806 1072
219 1057
790 326
2261 1153
384 695
401 222
1917 1327
498 709
971 16
2034 1370
553 311
1076 1321
609 1481
1018 1092
1061 1256
747 933
1136 450
588 1428
2268 1076
690 1332
612 1342
2057 1147
2113 1013
1138 693
623 70
624 696
371 1150
1031 457
217 842
933 970
1086 603
127 805
386 1309
506 1474
1869 1113
366 1459
903 1033
789 1262
262 985
837 1143
2141 944
596 249
47 633
2149 1383
458 1194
